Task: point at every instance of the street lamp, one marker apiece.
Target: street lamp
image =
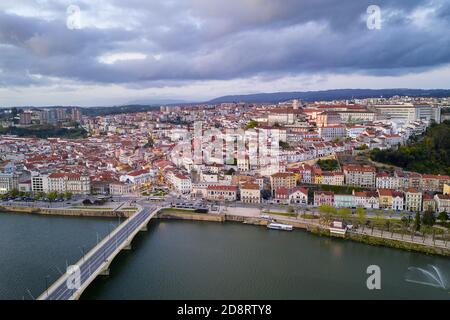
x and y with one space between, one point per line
82 251
46 283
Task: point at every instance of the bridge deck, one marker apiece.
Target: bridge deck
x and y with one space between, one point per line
100 257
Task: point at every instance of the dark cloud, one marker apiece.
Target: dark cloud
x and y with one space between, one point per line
206 39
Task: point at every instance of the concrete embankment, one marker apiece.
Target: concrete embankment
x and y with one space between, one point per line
398 244
66 212
189 215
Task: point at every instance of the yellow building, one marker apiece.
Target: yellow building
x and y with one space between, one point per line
446 188
385 198
318 179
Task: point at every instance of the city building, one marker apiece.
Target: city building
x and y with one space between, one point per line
328 118
181 183
331 132
446 189
76 114
366 199
282 180
8 182
428 203
442 203
25 118
398 203
298 195
281 195
39 183
323 198
360 176
119 188
385 181
69 182
413 200
385 197
250 193
344 201
222 193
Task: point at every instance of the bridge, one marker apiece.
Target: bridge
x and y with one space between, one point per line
97 261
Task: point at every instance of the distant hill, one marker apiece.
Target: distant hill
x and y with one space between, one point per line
104 111
337 94
159 102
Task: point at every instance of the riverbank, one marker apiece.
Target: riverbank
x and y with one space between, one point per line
67 212
310 226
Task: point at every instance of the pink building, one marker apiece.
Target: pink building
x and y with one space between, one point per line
323 198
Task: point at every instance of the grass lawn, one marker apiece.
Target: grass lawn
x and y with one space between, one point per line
285 214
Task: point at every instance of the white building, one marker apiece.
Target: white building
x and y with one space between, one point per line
69 182
397 201
413 200
386 181
442 203
250 193
39 183
8 182
332 132
137 177
298 196
181 182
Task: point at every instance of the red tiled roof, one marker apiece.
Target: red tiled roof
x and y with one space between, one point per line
223 188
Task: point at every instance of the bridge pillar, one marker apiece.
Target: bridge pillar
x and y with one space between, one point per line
105 272
144 228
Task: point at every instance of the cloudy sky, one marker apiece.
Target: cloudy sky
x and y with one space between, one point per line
105 52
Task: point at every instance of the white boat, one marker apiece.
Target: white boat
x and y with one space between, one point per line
279 226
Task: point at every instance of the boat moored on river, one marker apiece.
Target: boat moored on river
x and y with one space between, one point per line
280 226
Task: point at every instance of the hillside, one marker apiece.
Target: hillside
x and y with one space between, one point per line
337 94
428 154
45 131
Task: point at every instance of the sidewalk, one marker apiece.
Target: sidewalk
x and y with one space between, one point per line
428 241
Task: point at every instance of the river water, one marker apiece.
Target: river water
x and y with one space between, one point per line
207 260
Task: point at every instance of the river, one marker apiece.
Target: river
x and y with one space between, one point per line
207 260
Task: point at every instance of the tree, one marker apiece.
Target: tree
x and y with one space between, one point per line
230 172
284 145
405 221
38 196
344 213
14 193
66 195
391 213
362 147
326 210
379 214
417 222
429 154
252 124
361 213
443 216
428 218
51 196
328 165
